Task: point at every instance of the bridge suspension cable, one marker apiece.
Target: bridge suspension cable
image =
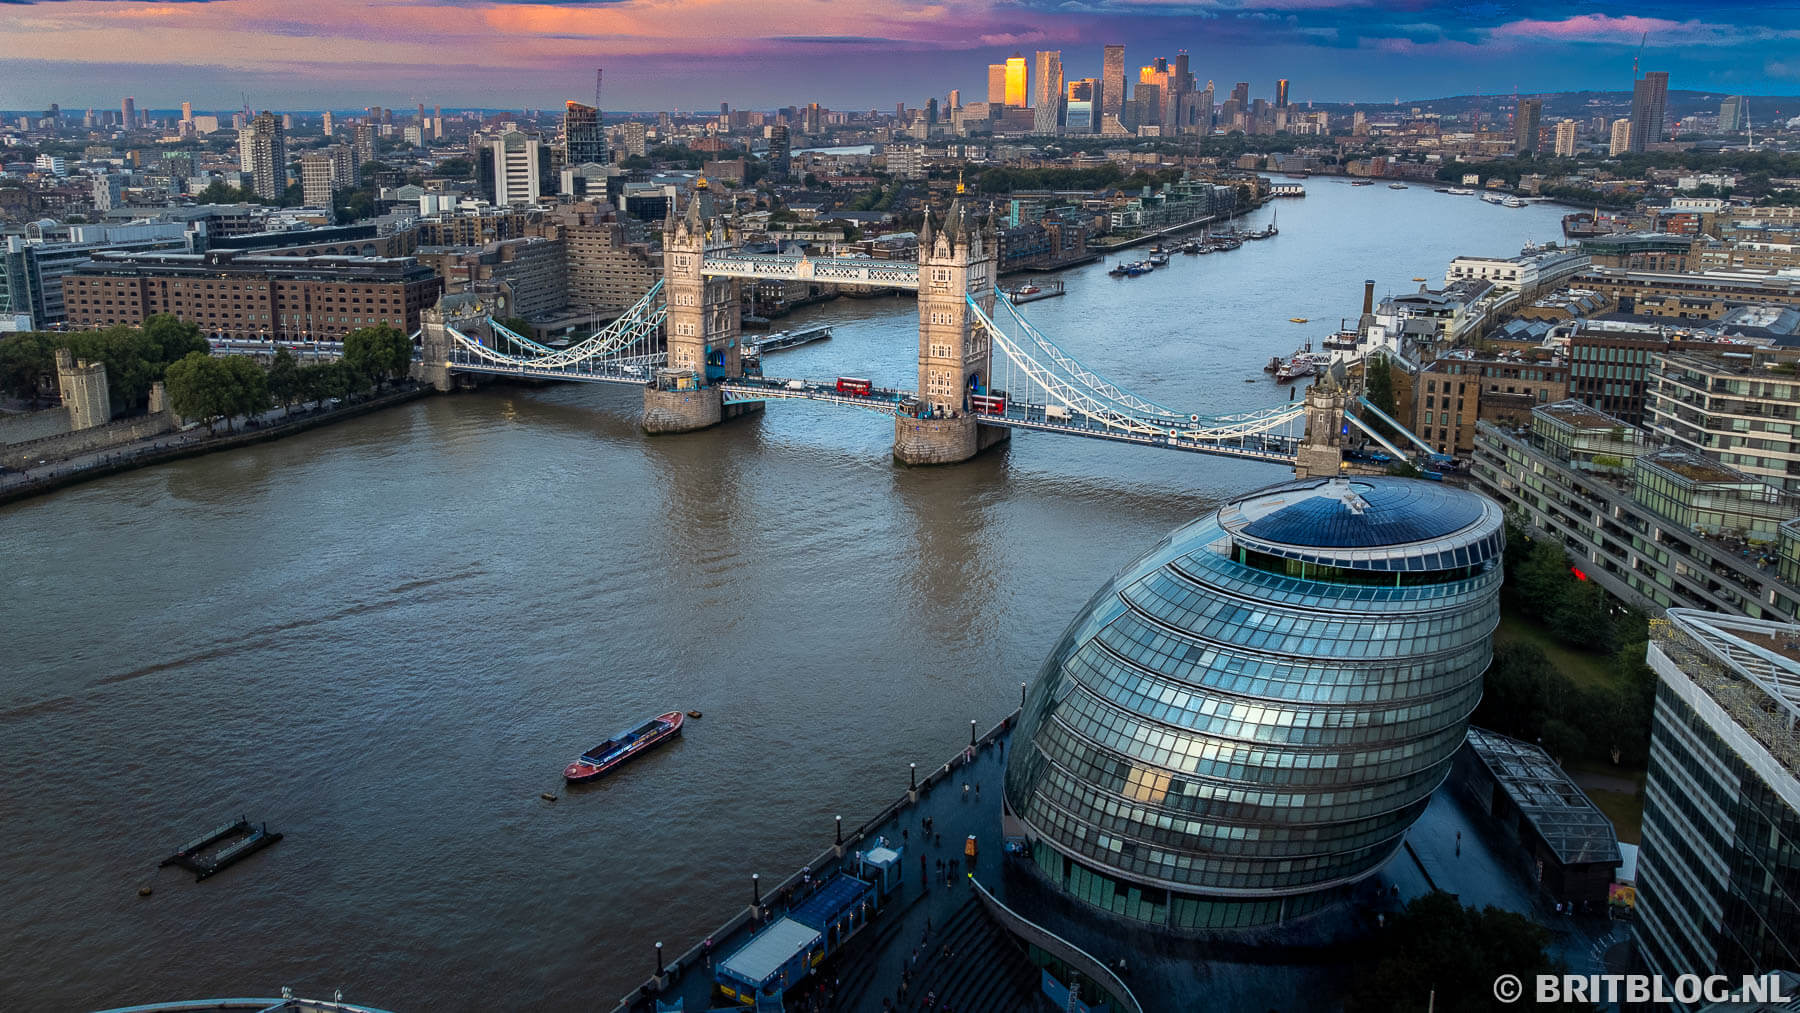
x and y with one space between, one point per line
634 337
516 338
1116 409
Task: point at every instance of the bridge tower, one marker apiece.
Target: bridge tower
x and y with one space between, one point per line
1321 452
956 261
703 331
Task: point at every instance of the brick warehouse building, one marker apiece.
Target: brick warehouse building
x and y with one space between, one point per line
234 295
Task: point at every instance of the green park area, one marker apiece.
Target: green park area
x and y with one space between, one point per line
1569 675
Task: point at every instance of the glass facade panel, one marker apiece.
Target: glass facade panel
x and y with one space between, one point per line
1235 729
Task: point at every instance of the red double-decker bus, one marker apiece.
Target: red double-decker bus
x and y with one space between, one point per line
853 385
987 404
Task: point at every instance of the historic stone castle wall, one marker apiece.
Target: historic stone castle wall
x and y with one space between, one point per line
85 441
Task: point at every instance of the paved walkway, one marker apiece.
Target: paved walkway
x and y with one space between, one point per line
933 901
1451 848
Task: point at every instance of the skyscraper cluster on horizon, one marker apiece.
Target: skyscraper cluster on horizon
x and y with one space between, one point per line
1035 95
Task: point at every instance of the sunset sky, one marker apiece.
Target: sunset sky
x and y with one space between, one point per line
851 54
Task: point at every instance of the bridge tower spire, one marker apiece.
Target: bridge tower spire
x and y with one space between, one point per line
1321 453
957 262
703 329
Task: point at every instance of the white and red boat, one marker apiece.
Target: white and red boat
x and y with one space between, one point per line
597 761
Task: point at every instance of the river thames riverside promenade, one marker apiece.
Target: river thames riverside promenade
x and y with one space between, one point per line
403 627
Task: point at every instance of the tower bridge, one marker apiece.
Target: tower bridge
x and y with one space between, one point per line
983 369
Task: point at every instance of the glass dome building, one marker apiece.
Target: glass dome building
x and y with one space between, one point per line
1246 720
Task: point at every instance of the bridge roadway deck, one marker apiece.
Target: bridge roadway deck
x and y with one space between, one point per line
636 372
1273 449
1268 447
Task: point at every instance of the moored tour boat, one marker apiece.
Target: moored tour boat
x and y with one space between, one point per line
624 746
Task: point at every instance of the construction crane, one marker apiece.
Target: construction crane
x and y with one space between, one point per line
1639 56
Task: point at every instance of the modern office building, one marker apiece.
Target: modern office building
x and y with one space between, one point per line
1657 529
1527 122
1649 104
780 148
33 269
234 295
515 168
1741 408
1281 93
262 152
996 89
1733 116
1018 76
1244 722
1111 100
581 132
1080 115
1047 99
1718 874
1611 370
128 113
1687 295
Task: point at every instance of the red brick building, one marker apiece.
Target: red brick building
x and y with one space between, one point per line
250 296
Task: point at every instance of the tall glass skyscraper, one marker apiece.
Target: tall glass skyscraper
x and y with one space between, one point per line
1017 77
1246 721
582 133
1649 103
1718 875
1112 81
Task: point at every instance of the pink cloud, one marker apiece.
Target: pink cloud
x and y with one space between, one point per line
1630 28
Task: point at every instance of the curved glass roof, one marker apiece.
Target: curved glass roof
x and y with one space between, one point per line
1346 515
1375 523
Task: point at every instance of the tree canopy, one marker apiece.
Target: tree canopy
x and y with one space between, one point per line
380 352
211 389
1442 955
135 357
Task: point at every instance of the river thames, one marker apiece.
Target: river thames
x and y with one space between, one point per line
388 636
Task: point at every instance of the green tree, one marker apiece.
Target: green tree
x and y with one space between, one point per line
25 359
311 384
218 192
133 361
173 337
284 378
196 386
1442 955
454 168
378 352
246 386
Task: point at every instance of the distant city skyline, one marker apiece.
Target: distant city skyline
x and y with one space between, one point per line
851 54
